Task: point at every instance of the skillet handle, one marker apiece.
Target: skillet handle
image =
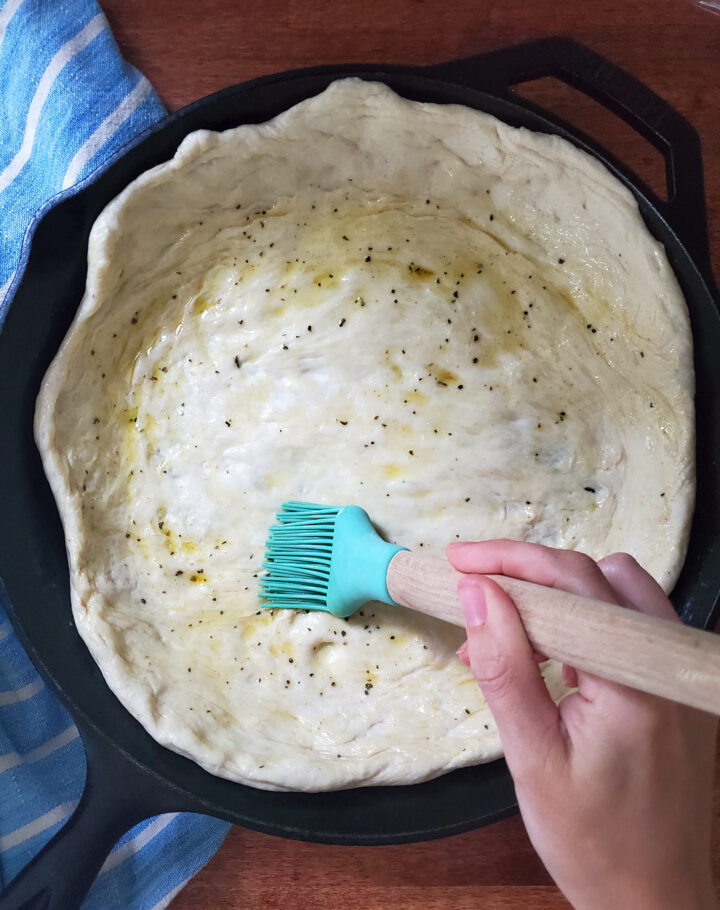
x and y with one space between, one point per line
117 795
647 113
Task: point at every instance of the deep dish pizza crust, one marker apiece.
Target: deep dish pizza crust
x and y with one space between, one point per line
461 326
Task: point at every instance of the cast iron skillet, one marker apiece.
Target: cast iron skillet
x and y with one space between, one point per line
131 777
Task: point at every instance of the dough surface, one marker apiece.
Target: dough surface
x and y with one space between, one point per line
461 326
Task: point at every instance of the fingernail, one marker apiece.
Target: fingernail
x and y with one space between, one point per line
472 600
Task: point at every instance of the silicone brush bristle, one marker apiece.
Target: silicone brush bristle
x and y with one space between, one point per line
298 556
324 558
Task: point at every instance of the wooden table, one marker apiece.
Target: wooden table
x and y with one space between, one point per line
188 49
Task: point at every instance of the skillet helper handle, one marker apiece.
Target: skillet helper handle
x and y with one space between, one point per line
646 653
647 113
116 797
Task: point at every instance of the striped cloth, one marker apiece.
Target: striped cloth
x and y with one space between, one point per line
67 102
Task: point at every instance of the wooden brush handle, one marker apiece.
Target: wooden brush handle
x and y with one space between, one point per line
654 655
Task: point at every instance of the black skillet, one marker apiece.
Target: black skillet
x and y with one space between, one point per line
129 776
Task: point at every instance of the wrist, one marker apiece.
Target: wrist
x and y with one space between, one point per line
687 895
691 889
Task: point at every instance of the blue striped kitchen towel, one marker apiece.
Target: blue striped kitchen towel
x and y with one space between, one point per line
68 101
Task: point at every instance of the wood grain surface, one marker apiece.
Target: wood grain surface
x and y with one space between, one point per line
189 49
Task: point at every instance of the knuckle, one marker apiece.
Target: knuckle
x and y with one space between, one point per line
493 675
582 563
646 718
620 562
573 562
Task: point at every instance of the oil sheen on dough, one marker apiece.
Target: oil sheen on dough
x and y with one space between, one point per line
461 326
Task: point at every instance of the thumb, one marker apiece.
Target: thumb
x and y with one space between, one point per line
503 663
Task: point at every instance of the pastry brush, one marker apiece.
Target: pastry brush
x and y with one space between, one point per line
332 559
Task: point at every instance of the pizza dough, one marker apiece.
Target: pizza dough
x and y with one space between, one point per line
461 326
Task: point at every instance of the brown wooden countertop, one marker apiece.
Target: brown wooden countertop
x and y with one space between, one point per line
189 49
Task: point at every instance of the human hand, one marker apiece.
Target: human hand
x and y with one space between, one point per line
614 786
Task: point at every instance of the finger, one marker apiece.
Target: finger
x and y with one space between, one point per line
638 589
567 570
570 676
462 653
636 585
503 663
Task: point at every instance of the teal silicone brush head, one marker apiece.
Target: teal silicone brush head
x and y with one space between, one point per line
325 558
